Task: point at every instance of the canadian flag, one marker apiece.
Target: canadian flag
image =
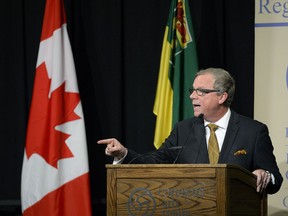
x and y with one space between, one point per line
55 173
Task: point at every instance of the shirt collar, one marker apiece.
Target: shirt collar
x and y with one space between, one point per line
223 122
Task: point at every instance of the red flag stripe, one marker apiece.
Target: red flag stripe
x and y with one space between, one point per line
54 18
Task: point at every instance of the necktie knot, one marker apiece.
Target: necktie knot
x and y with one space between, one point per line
213 127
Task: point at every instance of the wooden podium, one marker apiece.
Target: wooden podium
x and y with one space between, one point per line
182 189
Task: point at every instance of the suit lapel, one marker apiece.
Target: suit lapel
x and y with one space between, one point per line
231 133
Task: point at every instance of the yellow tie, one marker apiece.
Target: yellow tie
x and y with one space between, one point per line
213 148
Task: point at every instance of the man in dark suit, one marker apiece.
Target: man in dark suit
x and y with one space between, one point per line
239 140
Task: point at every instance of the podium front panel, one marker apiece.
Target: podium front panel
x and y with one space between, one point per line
182 190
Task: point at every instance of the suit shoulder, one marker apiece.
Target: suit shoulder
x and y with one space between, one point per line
249 121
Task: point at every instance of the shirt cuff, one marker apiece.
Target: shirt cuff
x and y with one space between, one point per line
272 178
119 161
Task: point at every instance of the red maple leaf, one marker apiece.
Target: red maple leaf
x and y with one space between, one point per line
47 113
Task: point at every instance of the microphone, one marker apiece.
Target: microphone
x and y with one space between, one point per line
199 118
151 153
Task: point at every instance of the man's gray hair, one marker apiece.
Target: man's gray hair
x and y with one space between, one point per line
224 82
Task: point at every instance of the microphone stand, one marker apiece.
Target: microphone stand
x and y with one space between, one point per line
200 117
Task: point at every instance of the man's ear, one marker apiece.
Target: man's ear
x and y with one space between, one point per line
223 97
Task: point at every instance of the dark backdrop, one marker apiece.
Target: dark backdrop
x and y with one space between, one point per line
117 48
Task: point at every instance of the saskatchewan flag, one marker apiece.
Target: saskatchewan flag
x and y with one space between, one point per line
177 69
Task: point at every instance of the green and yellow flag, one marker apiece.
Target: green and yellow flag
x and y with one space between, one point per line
177 69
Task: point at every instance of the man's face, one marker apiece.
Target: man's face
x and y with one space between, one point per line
208 104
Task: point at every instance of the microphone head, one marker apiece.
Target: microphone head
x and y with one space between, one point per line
201 116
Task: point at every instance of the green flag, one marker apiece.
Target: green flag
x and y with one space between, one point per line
177 69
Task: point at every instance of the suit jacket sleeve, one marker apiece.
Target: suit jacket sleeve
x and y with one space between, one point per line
252 137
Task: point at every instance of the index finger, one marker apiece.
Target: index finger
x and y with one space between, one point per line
105 141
